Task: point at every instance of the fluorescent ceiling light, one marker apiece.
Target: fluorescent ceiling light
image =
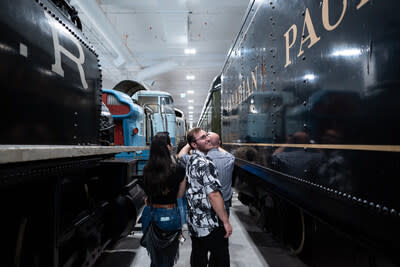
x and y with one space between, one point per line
190 51
190 91
190 77
190 107
183 95
191 101
190 112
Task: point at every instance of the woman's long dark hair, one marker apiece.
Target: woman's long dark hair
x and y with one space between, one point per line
159 166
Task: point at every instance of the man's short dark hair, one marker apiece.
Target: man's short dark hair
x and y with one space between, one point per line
190 135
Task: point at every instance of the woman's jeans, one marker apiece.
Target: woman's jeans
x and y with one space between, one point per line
182 204
166 219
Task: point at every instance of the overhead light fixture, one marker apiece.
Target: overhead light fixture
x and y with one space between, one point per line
190 112
190 91
183 95
190 107
191 101
190 77
190 51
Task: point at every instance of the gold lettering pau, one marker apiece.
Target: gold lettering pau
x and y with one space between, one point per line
291 34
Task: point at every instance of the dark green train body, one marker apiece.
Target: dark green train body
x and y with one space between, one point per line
309 108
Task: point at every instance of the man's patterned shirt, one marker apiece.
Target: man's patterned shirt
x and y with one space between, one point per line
202 179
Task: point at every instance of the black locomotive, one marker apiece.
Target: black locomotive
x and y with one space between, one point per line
63 197
309 108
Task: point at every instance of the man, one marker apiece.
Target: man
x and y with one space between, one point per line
208 221
223 160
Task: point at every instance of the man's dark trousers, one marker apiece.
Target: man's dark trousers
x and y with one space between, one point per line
216 244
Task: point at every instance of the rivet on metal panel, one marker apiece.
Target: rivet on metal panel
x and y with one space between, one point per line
385 210
378 207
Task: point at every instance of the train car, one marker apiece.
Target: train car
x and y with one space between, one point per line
162 106
309 108
64 197
181 126
134 123
129 118
210 118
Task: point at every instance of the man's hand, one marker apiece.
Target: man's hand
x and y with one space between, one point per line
228 229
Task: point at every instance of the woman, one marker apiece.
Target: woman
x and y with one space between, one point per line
163 182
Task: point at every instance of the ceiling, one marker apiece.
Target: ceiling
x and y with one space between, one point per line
145 41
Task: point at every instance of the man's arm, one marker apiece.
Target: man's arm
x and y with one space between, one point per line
218 205
184 150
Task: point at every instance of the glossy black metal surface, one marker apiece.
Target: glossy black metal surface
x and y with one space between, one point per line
211 117
49 77
309 104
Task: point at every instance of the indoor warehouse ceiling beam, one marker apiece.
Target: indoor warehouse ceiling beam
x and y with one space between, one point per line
102 25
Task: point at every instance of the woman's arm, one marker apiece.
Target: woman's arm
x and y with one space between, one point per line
182 188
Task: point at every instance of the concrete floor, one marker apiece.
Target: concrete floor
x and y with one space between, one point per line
248 246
